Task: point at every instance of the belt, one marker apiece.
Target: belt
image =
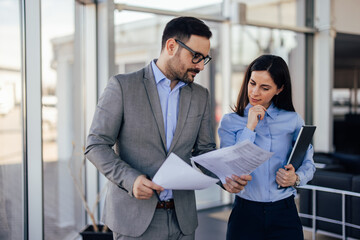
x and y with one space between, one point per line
168 204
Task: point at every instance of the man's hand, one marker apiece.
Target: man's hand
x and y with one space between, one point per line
286 177
235 184
143 188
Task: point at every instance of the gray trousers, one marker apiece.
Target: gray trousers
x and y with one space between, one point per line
164 226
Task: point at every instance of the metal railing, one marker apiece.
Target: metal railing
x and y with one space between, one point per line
314 216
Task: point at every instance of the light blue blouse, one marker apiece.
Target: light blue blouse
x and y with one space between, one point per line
276 133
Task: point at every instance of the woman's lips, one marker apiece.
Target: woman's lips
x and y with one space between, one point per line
254 100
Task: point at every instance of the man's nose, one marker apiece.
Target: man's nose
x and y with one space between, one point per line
200 65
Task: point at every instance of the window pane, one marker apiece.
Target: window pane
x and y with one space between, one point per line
61 122
250 42
278 12
11 132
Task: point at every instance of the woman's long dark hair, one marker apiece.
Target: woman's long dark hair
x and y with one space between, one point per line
280 74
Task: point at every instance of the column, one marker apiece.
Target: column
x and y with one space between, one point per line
323 76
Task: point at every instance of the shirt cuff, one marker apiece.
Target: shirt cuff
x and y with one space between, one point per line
301 176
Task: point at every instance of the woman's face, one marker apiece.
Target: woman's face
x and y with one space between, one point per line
262 88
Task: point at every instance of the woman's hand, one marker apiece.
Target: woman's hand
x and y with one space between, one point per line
235 184
286 177
256 113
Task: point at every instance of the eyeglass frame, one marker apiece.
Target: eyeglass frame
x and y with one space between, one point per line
206 59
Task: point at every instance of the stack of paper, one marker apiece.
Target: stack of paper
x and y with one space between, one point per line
174 173
240 159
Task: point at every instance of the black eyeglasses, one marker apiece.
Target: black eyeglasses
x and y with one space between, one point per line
197 57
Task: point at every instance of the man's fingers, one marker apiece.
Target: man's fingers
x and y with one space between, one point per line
154 186
141 192
143 187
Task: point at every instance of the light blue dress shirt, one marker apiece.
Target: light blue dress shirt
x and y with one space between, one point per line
276 133
169 100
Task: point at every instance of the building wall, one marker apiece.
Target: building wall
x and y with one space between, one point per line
346 16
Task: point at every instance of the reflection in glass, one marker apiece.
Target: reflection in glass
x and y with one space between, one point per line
250 42
61 121
11 132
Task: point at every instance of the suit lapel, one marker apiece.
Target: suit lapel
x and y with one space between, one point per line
184 105
152 93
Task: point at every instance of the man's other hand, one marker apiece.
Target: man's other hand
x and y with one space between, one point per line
143 188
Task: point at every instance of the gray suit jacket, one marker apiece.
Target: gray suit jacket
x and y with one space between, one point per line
129 117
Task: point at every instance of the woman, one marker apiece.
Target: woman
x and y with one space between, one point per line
265 115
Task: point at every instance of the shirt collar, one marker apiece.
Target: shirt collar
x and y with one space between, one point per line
159 76
157 73
272 110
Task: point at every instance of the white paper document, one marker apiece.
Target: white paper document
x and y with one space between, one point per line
240 159
175 174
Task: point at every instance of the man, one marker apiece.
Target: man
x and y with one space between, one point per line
147 115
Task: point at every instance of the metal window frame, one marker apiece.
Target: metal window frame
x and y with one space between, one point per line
221 19
86 62
31 112
309 64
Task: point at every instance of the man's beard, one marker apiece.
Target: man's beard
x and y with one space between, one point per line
186 78
175 74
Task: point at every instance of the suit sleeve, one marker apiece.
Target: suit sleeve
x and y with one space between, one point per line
103 134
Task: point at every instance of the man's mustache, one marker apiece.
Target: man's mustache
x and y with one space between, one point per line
193 70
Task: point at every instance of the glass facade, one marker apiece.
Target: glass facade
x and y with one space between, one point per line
11 124
70 49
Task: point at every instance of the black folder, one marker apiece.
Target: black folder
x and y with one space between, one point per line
301 145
